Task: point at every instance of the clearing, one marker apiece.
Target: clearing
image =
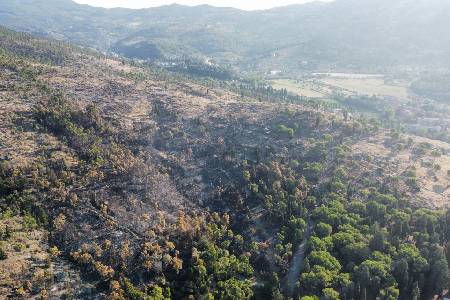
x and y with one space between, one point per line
322 85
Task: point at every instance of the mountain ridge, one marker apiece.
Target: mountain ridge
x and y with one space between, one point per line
318 36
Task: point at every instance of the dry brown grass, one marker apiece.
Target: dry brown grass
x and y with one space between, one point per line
27 255
367 86
434 183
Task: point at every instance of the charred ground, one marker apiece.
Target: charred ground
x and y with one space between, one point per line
158 186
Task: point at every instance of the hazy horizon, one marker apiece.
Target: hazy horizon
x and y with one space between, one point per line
245 5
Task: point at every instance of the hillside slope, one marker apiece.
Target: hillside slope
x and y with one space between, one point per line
143 184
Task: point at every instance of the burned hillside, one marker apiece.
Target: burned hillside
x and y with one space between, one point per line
155 186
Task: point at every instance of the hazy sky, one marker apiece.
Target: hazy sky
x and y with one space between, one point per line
242 4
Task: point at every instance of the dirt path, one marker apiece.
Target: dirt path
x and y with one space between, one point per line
297 262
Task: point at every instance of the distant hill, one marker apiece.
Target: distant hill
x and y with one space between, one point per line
434 86
345 34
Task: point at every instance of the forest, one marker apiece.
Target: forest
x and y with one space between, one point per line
433 86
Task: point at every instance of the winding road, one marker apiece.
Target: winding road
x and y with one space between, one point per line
297 262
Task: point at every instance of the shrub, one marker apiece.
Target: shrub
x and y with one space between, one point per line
323 230
29 223
436 153
246 175
54 251
313 170
5 234
330 294
132 291
412 182
282 129
411 174
8 213
19 247
3 254
254 188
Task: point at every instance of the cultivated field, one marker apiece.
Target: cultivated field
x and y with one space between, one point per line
322 84
366 86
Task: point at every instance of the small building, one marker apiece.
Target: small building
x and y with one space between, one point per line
275 72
